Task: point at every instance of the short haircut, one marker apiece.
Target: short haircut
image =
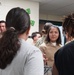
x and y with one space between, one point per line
2 21
34 34
46 27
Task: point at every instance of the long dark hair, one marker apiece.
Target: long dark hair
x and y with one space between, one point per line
58 41
17 22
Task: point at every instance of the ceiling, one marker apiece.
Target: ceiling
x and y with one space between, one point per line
55 7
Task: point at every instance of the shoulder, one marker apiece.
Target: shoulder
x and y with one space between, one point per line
64 56
65 50
60 45
43 44
27 48
31 55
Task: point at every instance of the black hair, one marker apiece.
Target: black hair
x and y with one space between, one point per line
34 34
17 22
58 41
46 27
68 25
2 21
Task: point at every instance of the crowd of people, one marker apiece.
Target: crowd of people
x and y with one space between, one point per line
19 57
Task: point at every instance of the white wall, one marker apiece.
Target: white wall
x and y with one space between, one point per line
62 36
34 6
50 17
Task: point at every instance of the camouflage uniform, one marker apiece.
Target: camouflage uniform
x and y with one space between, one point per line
40 41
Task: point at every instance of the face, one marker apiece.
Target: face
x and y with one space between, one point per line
2 27
37 37
53 34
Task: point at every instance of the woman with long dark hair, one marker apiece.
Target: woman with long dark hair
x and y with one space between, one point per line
50 46
17 57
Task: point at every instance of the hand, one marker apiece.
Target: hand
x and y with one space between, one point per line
45 58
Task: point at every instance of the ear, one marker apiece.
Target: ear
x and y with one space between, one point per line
27 32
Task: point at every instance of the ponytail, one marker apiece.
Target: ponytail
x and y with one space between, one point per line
9 45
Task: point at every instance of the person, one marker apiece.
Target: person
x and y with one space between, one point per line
44 33
35 36
64 57
50 46
2 27
17 57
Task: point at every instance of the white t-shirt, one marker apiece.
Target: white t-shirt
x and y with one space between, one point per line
28 61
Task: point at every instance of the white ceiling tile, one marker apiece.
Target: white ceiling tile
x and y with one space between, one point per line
57 7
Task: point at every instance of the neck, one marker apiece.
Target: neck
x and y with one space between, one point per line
70 39
23 36
53 43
